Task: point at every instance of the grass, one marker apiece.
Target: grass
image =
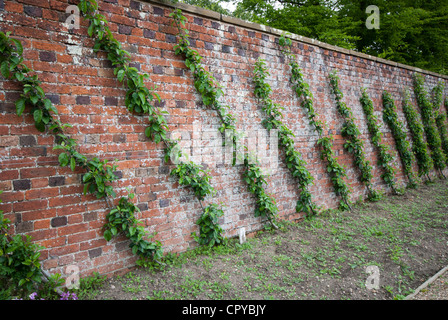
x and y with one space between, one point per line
322 258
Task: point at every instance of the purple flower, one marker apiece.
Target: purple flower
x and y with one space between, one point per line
68 296
64 295
33 296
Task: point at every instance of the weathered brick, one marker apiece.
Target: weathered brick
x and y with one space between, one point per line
23 184
158 11
124 29
56 181
27 141
83 100
33 11
164 203
95 253
59 221
47 56
151 34
23 227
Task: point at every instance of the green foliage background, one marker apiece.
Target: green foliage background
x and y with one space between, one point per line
410 32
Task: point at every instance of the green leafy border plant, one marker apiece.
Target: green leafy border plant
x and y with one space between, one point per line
390 117
210 92
429 124
440 117
293 158
336 170
351 132
419 146
139 100
385 158
20 267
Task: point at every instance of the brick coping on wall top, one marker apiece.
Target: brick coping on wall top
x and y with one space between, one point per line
276 32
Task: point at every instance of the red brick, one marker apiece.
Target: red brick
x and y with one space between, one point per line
41 193
63 201
42 224
42 234
80 237
37 3
13 7
38 214
9 175
37 172
30 205
63 250
33 33
92 244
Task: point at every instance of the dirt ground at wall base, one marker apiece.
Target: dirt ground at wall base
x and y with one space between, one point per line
380 250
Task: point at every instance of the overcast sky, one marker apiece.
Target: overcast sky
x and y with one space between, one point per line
228 5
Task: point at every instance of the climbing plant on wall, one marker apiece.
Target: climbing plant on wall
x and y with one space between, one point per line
385 158
210 92
390 117
440 116
99 174
139 99
336 171
429 124
350 130
419 145
294 160
446 105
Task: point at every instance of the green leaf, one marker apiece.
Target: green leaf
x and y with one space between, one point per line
120 75
37 115
107 235
73 164
148 132
63 159
4 68
19 46
40 126
157 138
20 106
19 76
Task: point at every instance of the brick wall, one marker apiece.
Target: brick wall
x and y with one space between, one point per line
46 201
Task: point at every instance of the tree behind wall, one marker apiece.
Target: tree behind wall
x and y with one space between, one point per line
410 32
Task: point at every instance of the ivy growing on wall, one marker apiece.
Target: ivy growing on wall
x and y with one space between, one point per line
385 158
139 99
429 124
294 160
350 131
440 116
390 117
419 146
335 170
210 92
